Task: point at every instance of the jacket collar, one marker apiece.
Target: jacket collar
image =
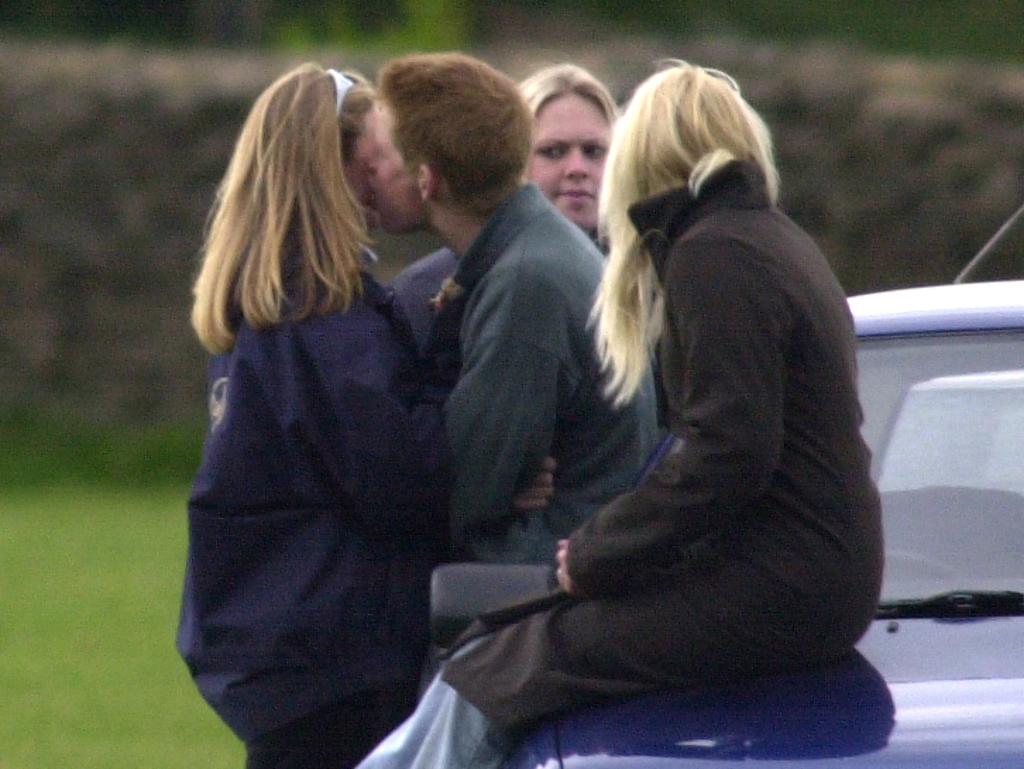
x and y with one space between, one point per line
662 219
509 218
373 293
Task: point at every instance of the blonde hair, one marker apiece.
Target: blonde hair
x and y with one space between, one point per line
285 234
683 124
558 80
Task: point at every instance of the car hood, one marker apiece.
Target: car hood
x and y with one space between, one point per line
918 693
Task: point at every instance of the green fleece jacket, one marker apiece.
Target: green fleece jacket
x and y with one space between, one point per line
530 386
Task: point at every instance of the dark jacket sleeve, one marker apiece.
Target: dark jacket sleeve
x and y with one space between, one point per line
497 447
381 449
722 367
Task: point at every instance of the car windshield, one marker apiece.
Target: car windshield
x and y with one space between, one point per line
944 416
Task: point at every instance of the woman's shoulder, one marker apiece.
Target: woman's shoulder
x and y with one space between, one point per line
370 333
366 326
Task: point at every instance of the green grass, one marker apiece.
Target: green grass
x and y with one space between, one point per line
39 448
90 580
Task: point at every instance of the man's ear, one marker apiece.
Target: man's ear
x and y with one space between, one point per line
428 181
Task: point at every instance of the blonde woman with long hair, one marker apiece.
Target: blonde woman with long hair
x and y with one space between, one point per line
573 115
753 546
315 514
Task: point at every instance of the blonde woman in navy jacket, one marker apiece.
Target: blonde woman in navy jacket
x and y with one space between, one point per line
317 511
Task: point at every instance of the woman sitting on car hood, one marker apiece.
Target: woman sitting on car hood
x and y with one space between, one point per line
754 544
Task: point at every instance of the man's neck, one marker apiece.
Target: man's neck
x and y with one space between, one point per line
457 228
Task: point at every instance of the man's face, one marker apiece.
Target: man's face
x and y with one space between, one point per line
357 174
392 195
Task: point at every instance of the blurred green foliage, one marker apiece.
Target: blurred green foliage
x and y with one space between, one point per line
978 29
143 20
385 24
425 24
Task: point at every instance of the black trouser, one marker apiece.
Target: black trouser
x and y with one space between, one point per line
337 737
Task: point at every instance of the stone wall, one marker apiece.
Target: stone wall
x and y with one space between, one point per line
109 158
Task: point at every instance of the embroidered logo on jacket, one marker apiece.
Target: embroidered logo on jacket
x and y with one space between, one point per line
218 402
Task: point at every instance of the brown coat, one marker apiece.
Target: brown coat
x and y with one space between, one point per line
755 545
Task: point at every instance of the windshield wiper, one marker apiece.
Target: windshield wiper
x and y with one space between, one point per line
959 603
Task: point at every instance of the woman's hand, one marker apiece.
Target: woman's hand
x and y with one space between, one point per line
537 495
564 580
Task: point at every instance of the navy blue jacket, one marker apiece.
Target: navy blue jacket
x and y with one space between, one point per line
417 284
315 518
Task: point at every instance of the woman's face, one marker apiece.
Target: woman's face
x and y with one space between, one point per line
377 175
570 142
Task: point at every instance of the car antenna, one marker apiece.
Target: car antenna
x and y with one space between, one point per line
987 249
